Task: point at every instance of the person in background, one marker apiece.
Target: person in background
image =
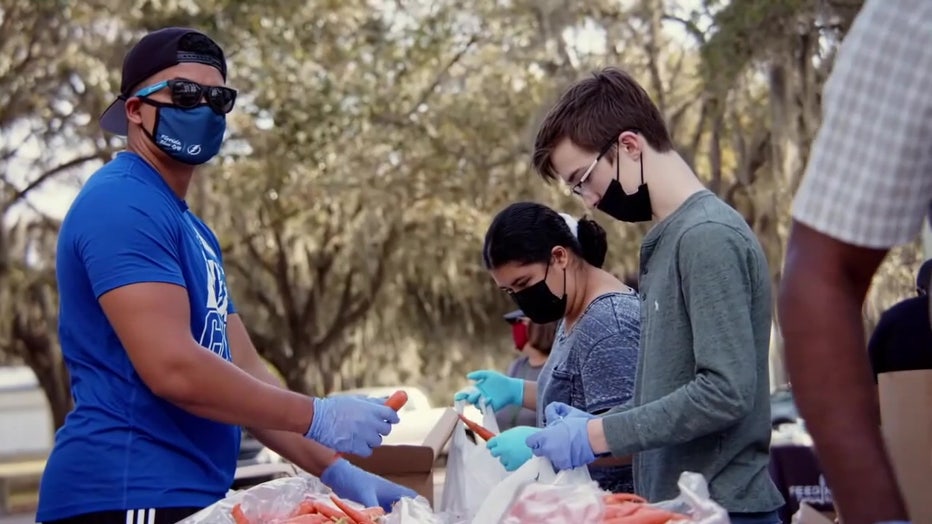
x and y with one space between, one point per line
163 371
533 341
550 265
902 340
702 401
867 188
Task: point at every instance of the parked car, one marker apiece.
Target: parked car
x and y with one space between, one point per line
251 451
787 425
782 408
257 464
26 428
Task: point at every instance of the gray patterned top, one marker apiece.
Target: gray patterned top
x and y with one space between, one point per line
592 368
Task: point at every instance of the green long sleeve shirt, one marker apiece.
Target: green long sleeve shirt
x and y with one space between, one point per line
702 392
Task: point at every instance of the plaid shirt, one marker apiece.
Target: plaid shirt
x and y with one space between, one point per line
869 178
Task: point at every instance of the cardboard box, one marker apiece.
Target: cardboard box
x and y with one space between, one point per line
411 466
906 415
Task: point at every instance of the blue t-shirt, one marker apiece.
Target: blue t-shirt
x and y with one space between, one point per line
592 368
122 447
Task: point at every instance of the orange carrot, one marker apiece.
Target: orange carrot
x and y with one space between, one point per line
397 400
355 516
639 513
328 512
304 508
483 433
615 498
618 510
239 516
316 518
374 513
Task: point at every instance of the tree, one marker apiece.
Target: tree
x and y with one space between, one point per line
373 142
48 92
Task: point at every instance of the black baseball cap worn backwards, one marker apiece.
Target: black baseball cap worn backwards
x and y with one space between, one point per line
156 51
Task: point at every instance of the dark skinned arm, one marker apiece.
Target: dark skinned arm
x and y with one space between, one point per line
306 454
824 285
153 322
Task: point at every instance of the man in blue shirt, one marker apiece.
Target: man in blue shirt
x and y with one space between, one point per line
163 372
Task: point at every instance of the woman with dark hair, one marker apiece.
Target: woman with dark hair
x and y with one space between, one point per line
533 341
550 265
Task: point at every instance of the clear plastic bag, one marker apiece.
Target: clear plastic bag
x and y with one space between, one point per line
417 511
694 501
472 471
271 502
535 494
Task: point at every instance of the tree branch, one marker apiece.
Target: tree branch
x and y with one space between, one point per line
284 284
438 78
690 27
652 48
45 177
319 265
352 308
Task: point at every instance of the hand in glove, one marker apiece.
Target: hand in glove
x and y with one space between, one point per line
510 447
495 388
557 411
351 424
352 483
564 442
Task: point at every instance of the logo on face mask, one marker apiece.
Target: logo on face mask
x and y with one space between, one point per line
168 143
195 149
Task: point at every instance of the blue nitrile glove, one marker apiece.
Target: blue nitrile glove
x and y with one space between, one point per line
510 447
565 442
352 483
497 389
557 411
350 424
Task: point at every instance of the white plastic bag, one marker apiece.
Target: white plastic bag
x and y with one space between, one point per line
472 471
417 511
414 511
694 500
567 497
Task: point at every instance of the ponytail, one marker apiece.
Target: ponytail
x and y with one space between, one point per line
592 241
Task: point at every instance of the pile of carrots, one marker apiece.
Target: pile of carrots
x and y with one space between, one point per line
317 512
625 508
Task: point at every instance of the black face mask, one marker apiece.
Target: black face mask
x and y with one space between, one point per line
622 206
539 303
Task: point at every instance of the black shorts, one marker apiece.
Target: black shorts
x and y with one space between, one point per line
132 516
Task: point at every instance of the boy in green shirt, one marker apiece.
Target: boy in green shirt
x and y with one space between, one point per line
702 392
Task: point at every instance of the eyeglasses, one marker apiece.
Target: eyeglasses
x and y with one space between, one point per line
576 188
188 94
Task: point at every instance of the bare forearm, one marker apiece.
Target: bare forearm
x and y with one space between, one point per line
530 395
206 385
838 406
596 431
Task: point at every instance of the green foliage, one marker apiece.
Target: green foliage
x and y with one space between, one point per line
373 141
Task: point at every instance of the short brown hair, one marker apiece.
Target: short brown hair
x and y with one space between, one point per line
593 111
541 336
